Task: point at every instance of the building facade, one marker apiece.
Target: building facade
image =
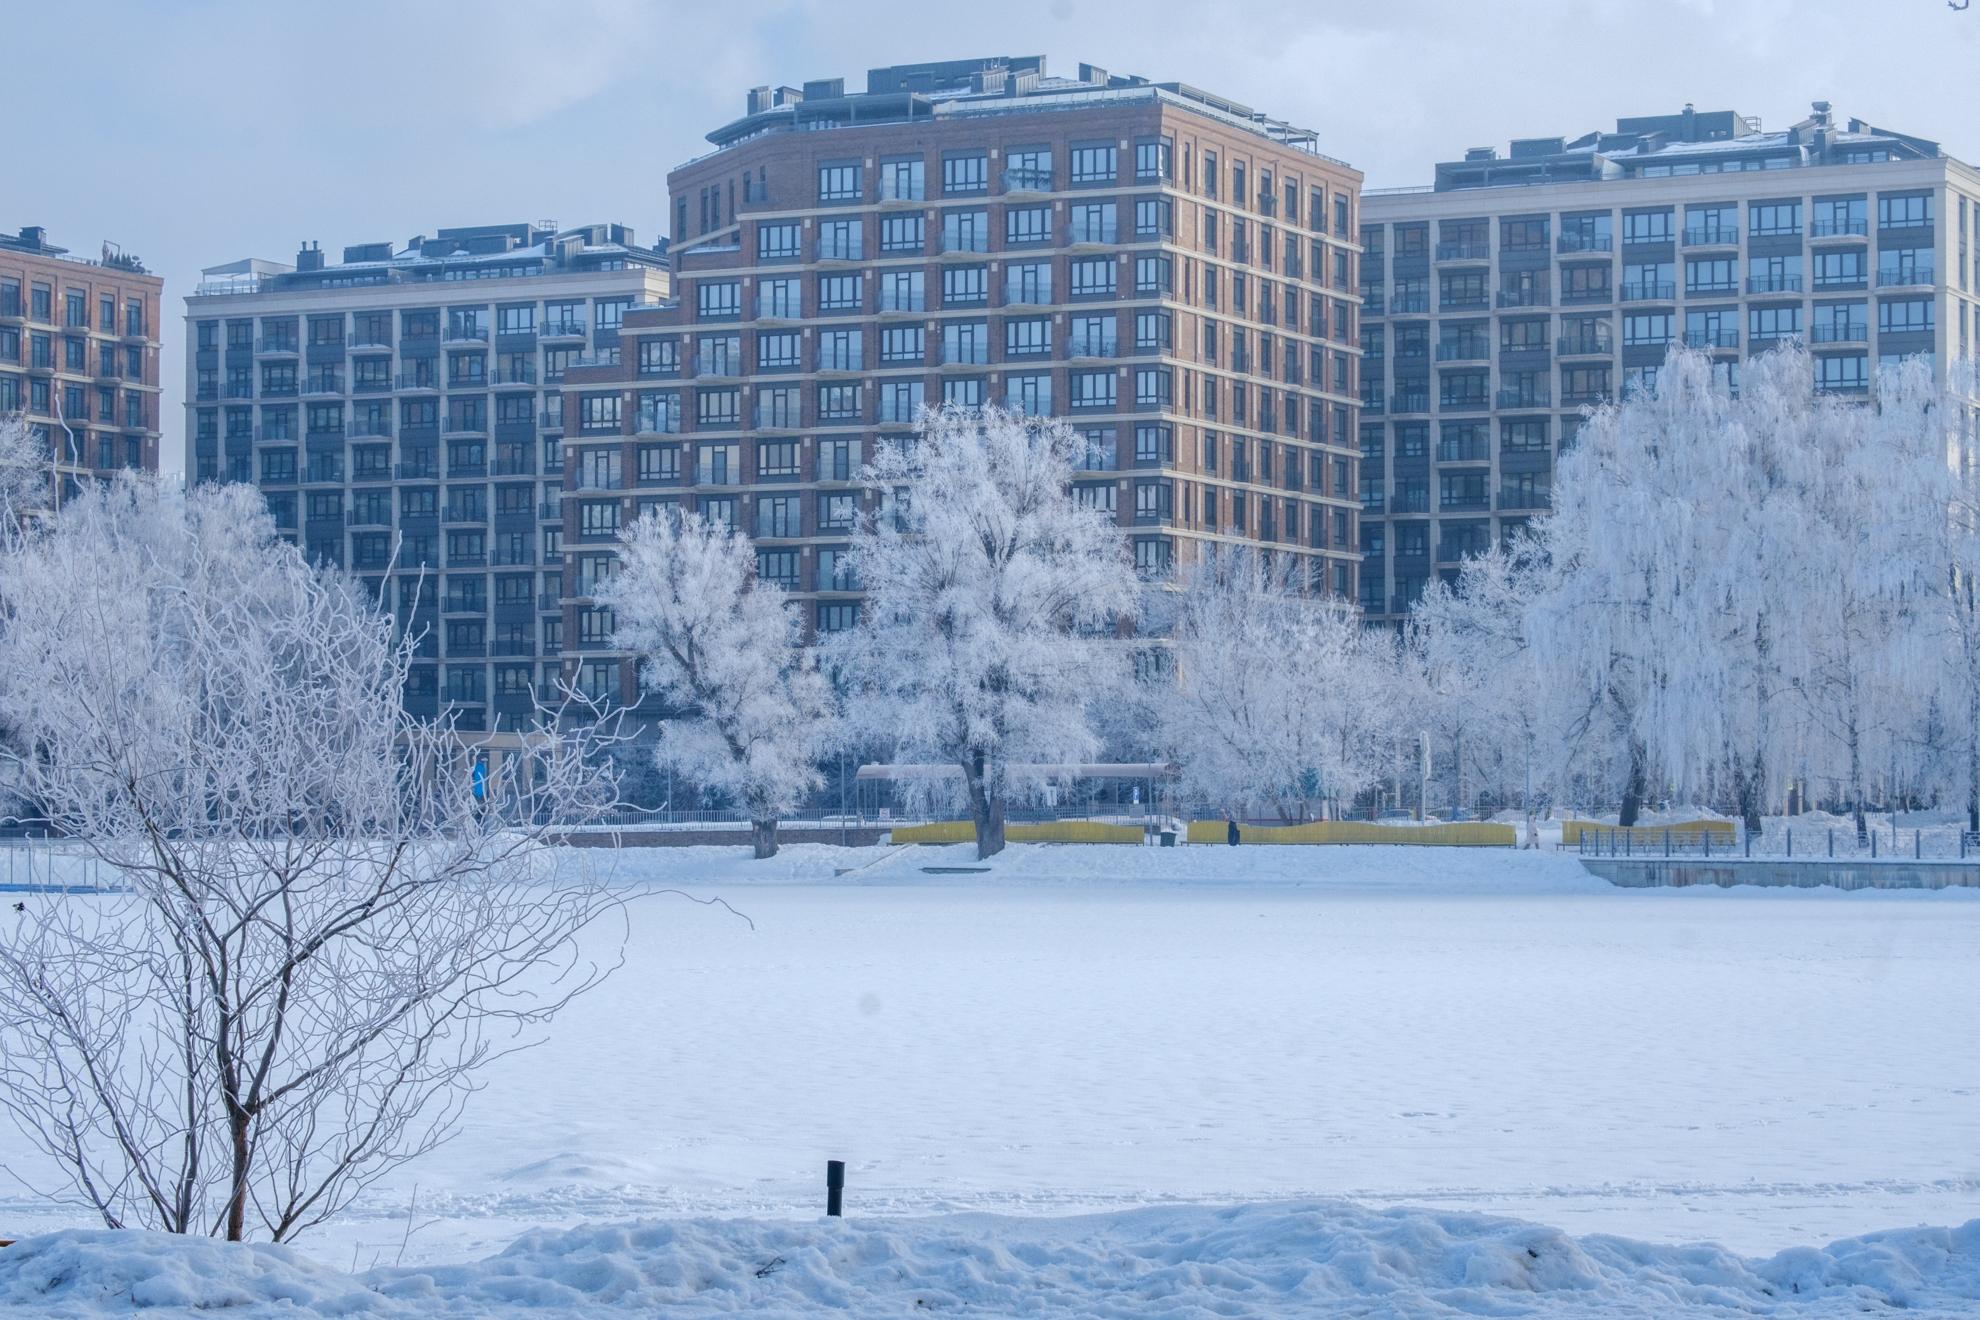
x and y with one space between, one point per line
79 354
1172 273
400 413
1519 290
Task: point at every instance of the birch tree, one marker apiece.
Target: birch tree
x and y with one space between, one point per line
320 932
726 649
992 603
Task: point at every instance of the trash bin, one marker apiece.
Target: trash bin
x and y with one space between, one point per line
1168 838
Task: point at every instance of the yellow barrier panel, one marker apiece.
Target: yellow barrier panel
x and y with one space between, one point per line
1688 831
1468 834
1055 831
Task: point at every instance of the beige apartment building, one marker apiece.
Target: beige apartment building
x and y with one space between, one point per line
1517 290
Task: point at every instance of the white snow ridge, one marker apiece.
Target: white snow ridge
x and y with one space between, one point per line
1278 1259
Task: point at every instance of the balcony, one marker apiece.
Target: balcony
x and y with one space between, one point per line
1410 403
1525 398
1525 297
1402 304
272 347
837 250
1711 236
894 188
1601 294
1027 181
1478 351
467 334
1374 404
1464 252
1090 233
1568 244
1918 274
1649 292
524 374
1458 302
1464 451
417 381
1773 284
1719 290
1584 346
1724 337
840 362
1839 229
1585 398
1857 332
561 330
1513 500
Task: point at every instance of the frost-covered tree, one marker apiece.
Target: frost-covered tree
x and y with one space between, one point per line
992 601
1278 696
723 647
321 931
25 471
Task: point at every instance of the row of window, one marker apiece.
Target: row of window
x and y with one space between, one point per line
40 306
74 403
1700 223
358 329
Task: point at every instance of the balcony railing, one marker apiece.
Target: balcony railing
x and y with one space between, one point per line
467 334
1773 284
1464 352
1919 274
1464 252
561 330
1570 243
1851 333
1027 180
1720 338
1649 292
1838 228
970 241
1525 297
1711 236
1525 398
1403 303
1583 346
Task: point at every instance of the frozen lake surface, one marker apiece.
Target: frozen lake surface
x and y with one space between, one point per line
1106 1028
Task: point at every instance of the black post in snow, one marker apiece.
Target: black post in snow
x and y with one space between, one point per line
835 1186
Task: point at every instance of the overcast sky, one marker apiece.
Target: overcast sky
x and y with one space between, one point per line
196 133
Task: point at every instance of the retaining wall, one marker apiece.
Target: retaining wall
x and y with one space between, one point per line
1901 873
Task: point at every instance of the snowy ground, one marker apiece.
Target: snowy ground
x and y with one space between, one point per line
1099 1029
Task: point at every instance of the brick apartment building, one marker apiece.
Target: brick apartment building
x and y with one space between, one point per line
1173 273
79 353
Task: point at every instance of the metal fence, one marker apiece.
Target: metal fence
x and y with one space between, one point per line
1890 843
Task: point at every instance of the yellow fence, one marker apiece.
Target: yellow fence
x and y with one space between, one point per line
1471 834
1687 831
1052 831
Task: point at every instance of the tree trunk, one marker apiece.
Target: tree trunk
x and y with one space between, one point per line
1972 756
1632 801
763 836
237 1131
1856 787
986 809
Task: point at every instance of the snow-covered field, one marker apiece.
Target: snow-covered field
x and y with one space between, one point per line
1107 1029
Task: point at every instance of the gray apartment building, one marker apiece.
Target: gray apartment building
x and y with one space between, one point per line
1170 271
79 354
1517 290
400 412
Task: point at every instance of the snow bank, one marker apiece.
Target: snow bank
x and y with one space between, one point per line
1301 1258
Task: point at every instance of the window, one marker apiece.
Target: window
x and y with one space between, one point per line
838 182
1153 445
1028 338
779 242
1842 371
1905 316
717 409
839 293
965 286
1153 160
1836 216
1095 165
966 231
1093 277
779 515
839 402
837 616
1093 222
779 350
1772 219
903 344
903 180
1843 268
1773 322
778 407
660 356
1711 275
965 172
718 299
598 412
1027 224
780 299
1093 389
1904 212
966 342
1647 329
837 511
903 233
841 240
1028 282
1648 226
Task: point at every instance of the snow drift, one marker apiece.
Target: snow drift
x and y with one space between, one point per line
1299 1258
